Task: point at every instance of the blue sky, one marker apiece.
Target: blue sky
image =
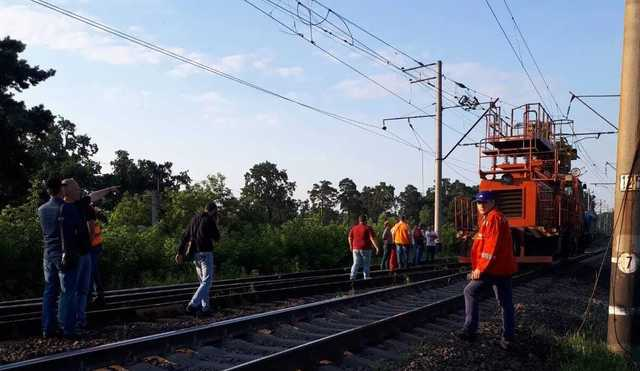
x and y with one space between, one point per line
126 97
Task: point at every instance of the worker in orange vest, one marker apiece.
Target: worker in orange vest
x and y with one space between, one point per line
492 264
402 240
96 251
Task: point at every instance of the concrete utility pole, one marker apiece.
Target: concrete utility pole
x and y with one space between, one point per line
437 218
155 201
624 295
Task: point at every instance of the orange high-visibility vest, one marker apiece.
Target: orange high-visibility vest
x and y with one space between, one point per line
400 233
492 250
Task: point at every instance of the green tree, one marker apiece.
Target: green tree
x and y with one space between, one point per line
181 205
267 195
350 199
145 175
410 202
324 199
33 143
379 199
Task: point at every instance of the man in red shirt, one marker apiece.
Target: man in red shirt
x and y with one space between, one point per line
492 264
361 238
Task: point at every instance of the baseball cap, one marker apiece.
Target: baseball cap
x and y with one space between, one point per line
485 196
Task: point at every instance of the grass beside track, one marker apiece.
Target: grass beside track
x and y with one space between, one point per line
579 352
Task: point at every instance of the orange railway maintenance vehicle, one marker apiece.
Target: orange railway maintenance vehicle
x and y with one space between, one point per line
526 161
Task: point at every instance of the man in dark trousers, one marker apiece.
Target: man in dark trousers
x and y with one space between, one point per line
387 245
61 225
492 264
197 245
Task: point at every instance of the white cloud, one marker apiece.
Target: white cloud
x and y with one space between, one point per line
46 29
362 89
49 30
211 99
268 118
235 63
510 86
289 71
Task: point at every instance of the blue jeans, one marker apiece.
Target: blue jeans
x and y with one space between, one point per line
361 258
431 253
59 297
386 248
401 252
83 288
411 255
419 252
204 268
504 295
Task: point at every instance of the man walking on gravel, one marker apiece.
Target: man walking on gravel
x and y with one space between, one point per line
492 264
197 245
361 239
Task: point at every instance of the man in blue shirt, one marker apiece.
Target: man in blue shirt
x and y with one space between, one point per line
60 225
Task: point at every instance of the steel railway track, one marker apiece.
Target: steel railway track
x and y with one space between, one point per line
19 318
286 339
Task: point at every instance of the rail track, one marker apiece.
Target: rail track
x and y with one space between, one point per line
286 339
22 317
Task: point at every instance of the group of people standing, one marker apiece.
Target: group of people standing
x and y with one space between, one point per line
402 247
73 244
72 248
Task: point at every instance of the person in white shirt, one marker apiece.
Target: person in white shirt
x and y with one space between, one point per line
431 237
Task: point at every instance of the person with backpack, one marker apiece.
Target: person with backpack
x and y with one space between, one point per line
197 246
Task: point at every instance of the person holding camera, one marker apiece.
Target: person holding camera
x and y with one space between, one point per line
197 245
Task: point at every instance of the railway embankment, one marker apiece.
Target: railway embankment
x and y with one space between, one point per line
549 332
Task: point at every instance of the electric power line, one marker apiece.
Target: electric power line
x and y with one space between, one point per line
515 53
532 57
115 32
347 64
352 42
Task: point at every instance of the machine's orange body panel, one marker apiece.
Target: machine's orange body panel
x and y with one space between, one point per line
527 163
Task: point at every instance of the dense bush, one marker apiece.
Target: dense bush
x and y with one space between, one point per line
20 251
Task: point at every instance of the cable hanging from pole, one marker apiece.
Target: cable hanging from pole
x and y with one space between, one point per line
128 37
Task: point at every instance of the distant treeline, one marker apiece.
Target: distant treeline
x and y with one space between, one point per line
264 228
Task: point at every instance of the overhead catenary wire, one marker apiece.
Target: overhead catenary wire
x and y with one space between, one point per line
115 32
332 55
158 49
352 42
395 48
524 68
526 44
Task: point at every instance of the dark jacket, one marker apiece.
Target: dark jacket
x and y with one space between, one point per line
57 216
86 213
202 231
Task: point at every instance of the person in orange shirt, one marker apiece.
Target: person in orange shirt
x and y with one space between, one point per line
492 264
402 240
